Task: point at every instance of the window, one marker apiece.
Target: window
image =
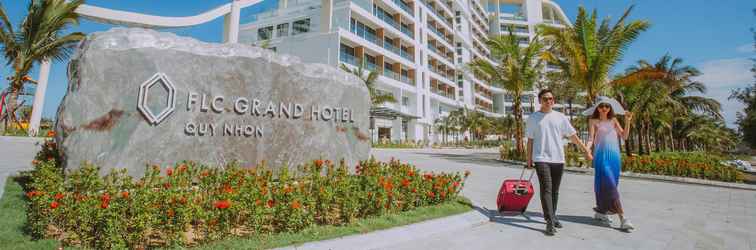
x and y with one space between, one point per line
301 26
265 33
282 30
405 101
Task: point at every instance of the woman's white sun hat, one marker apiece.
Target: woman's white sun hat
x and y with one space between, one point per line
616 106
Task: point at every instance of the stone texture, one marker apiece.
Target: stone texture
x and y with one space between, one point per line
99 120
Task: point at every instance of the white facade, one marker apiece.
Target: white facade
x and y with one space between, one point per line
421 47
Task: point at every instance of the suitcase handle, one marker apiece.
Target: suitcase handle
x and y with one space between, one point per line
523 174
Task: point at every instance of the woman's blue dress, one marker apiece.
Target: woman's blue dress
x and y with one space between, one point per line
606 165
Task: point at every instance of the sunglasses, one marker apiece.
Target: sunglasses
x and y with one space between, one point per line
603 106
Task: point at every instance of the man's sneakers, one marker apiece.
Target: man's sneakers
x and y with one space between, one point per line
557 224
626 225
550 230
603 218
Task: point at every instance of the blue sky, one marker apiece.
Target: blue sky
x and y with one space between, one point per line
712 36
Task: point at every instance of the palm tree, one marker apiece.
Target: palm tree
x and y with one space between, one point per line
587 51
663 88
517 70
377 97
38 38
478 124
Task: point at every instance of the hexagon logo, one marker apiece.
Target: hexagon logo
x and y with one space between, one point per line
156 110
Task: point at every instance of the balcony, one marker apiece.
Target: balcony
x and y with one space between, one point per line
439 34
366 35
347 58
437 52
438 15
371 66
513 17
408 32
407 55
404 7
396 76
442 93
392 48
441 73
381 14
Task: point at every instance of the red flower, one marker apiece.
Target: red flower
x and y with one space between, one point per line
54 205
271 203
428 176
388 186
318 163
287 189
104 204
182 200
125 194
58 196
227 188
296 205
456 184
182 168
405 183
205 173
171 213
167 185
50 133
443 194
35 162
222 204
431 194
414 190
105 197
169 171
258 202
411 173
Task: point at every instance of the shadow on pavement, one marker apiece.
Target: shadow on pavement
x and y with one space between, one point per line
519 219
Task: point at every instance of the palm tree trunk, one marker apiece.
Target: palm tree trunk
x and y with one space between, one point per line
518 125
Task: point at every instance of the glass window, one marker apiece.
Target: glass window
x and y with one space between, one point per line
282 30
301 26
265 33
405 101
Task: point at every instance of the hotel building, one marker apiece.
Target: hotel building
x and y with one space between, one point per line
419 47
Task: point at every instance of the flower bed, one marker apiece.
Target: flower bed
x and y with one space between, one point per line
190 204
693 165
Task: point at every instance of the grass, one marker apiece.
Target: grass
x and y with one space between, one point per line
13 217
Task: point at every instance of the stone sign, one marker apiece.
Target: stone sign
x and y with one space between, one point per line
137 97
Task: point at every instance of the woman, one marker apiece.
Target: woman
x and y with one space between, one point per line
604 136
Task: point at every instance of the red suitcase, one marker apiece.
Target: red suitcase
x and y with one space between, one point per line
514 195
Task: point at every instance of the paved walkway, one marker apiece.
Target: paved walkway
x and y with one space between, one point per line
667 215
16 154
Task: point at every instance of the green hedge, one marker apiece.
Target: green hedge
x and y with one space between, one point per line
700 165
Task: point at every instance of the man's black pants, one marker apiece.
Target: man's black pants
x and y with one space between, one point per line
549 178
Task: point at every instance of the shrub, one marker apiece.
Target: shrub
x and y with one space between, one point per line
685 164
189 203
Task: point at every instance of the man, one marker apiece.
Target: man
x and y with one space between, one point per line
545 130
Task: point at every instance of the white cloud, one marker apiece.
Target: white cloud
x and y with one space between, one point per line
746 48
721 77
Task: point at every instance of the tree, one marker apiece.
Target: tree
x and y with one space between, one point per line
665 88
587 51
377 97
746 120
39 37
517 70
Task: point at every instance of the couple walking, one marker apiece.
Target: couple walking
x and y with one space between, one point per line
545 151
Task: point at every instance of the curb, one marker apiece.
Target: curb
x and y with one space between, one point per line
21 139
379 239
652 177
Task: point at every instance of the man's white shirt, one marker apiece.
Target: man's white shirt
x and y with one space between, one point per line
547 131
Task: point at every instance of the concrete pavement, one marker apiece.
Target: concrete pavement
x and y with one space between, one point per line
667 215
16 154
